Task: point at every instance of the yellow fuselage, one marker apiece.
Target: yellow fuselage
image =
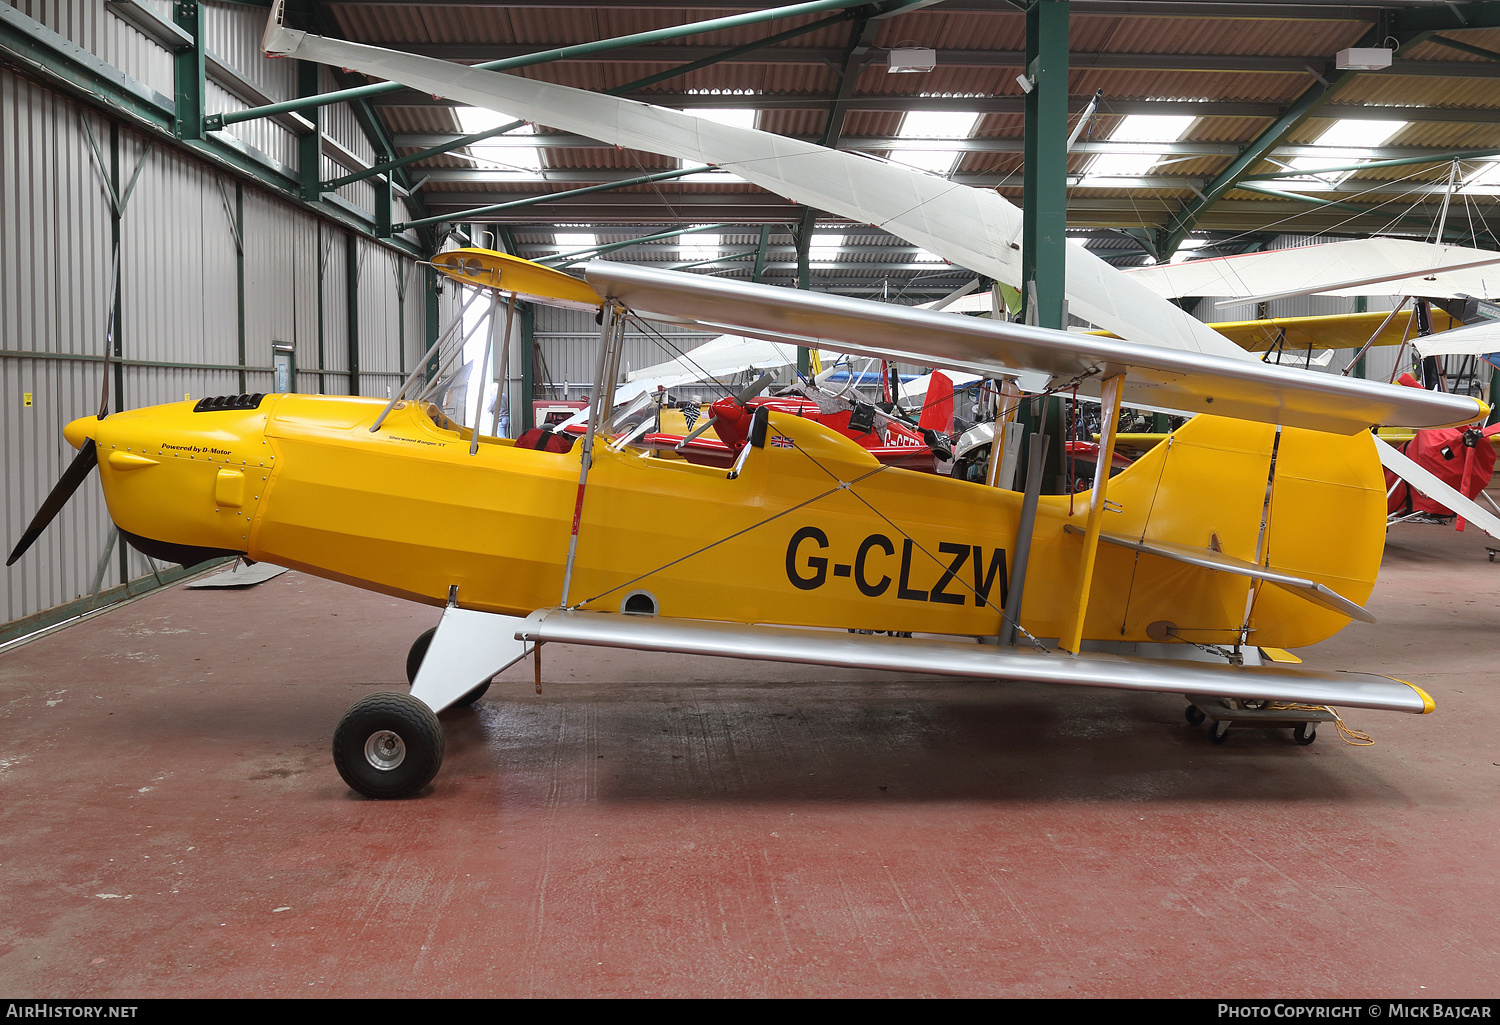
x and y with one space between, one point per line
301 481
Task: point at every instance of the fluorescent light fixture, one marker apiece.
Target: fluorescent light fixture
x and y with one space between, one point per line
934 124
1138 128
505 158
906 60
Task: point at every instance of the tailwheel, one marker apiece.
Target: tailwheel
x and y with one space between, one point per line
1305 733
388 745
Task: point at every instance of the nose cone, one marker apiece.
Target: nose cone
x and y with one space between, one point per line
81 430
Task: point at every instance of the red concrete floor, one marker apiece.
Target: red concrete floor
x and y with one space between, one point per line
172 824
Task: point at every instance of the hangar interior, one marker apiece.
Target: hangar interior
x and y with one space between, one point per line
182 218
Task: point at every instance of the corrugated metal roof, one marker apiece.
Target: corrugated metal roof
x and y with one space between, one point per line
1241 72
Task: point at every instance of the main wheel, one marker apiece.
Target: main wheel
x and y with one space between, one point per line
1218 731
388 745
1305 733
417 652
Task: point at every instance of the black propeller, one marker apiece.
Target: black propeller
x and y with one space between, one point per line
753 389
86 459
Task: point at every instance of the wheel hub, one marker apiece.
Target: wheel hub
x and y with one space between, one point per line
385 750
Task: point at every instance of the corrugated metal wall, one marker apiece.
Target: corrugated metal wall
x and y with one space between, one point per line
569 342
179 329
91 25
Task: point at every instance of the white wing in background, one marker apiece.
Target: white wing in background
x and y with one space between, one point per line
974 228
1474 340
1366 266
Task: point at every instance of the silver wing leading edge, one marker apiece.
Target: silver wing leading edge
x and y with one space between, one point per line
955 658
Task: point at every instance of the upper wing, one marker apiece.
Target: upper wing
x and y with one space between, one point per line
1154 376
973 228
1332 331
1354 267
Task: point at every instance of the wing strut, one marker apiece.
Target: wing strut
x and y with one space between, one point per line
606 370
1110 425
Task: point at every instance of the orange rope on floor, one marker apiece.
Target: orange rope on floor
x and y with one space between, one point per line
1350 736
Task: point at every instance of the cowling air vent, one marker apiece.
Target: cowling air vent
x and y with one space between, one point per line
222 402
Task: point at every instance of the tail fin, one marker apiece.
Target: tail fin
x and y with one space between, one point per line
1302 503
937 408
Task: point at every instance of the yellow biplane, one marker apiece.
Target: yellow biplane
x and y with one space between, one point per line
1258 526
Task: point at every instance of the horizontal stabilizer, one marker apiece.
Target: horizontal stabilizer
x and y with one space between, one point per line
956 658
1156 377
1311 590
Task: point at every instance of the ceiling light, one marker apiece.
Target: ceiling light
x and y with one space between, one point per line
909 60
1363 58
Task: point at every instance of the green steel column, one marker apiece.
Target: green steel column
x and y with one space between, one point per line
310 146
1045 202
803 236
351 294
527 313
1045 199
239 274
118 384
1361 305
188 71
431 280
760 253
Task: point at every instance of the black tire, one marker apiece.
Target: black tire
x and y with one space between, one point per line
417 652
1193 714
472 696
388 745
1218 731
1305 733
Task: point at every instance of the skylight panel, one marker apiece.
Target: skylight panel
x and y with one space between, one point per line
1350 140
825 248
1185 249
1151 132
493 154
569 241
700 245
1486 178
934 124
734 117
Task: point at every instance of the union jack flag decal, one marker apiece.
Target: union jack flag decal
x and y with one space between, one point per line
781 441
